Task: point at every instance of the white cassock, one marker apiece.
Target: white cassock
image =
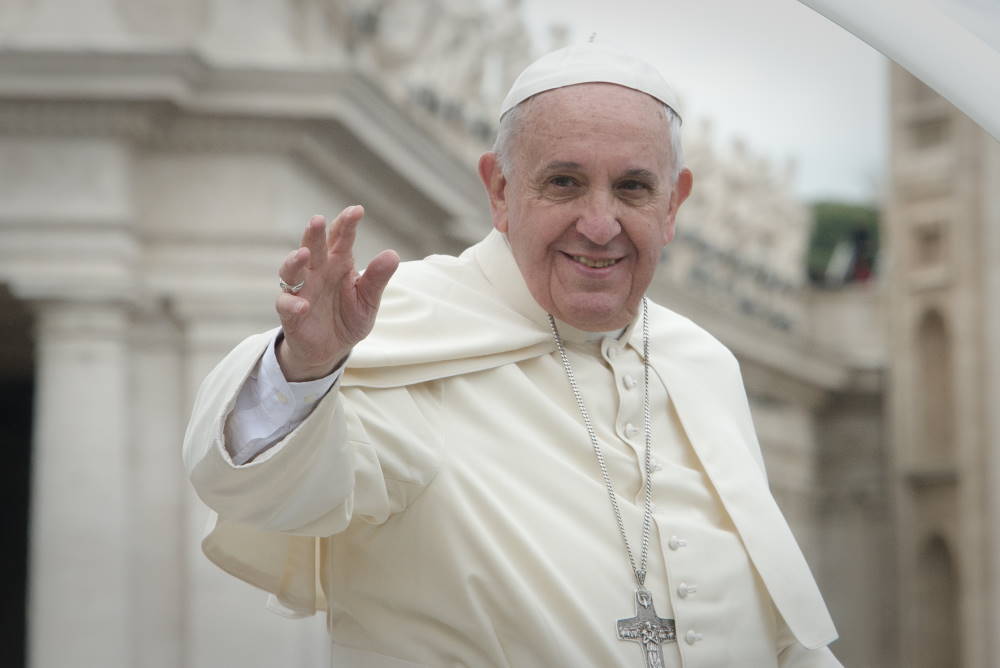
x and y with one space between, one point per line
443 502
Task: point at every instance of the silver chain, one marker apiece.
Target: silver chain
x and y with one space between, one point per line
647 513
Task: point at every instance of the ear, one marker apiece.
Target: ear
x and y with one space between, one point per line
682 188
496 188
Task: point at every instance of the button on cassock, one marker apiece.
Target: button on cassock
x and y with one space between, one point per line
631 430
676 543
692 636
629 381
683 589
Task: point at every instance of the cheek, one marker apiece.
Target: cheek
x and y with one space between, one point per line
531 237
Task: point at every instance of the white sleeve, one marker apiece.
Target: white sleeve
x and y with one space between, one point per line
322 475
269 407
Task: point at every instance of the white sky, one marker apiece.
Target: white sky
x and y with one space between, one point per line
787 81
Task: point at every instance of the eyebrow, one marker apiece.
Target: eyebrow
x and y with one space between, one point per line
557 165
639 173
634 173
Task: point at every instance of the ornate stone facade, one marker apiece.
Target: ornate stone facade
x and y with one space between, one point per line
944 297
158 159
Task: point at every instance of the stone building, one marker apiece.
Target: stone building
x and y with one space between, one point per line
157 161
943 293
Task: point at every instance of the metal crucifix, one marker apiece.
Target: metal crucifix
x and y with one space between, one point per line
647 629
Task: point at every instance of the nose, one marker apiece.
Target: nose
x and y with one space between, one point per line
598 221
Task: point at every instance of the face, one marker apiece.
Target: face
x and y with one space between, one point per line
588 203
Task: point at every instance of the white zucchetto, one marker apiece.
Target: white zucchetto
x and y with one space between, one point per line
589 63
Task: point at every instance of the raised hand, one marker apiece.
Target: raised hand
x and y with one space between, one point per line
335 307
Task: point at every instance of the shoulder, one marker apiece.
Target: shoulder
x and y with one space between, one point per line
439 317
702 375
682 337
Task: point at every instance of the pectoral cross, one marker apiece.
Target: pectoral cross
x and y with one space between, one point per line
647 629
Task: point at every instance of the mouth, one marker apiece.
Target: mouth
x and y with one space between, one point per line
594 263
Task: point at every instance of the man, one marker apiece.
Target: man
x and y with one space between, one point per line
522 462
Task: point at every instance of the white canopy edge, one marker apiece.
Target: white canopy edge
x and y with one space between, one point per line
932 45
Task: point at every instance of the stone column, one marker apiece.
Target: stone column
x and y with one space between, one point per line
78 585
156 483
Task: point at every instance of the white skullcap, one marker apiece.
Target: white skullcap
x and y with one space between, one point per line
589 63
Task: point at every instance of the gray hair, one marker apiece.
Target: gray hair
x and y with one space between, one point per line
511 121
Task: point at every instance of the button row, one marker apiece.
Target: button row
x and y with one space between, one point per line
685 589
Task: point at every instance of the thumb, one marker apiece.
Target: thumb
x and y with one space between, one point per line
375 277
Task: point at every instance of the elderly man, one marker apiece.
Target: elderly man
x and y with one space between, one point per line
511 458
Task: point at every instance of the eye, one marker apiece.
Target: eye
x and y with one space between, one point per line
563 181
633 185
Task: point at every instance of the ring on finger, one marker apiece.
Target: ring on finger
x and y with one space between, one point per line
290 289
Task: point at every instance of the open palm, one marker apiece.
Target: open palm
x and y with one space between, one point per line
336 306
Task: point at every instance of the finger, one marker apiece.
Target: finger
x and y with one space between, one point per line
291 309
293 269
342 233
376 276
314 238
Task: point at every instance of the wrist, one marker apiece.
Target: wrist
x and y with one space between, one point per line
298 371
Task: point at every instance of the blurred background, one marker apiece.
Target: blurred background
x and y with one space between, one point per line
158 159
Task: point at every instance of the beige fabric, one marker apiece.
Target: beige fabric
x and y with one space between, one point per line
456 410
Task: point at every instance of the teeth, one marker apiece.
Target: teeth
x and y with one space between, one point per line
595 264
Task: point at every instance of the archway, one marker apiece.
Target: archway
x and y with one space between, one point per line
17 385
937 640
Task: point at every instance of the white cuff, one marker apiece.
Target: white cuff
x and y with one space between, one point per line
269 407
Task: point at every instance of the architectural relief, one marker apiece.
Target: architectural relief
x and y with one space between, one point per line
944 296
742 236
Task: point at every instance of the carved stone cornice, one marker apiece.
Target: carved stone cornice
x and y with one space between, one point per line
38 73
179 100
78 118
85 261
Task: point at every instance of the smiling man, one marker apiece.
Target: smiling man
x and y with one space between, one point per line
511 458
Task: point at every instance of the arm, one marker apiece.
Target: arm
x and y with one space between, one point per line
304 479
307 482
269 407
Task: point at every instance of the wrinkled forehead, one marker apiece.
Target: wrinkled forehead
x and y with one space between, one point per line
589 63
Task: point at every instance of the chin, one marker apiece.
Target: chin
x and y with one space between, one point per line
597 315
